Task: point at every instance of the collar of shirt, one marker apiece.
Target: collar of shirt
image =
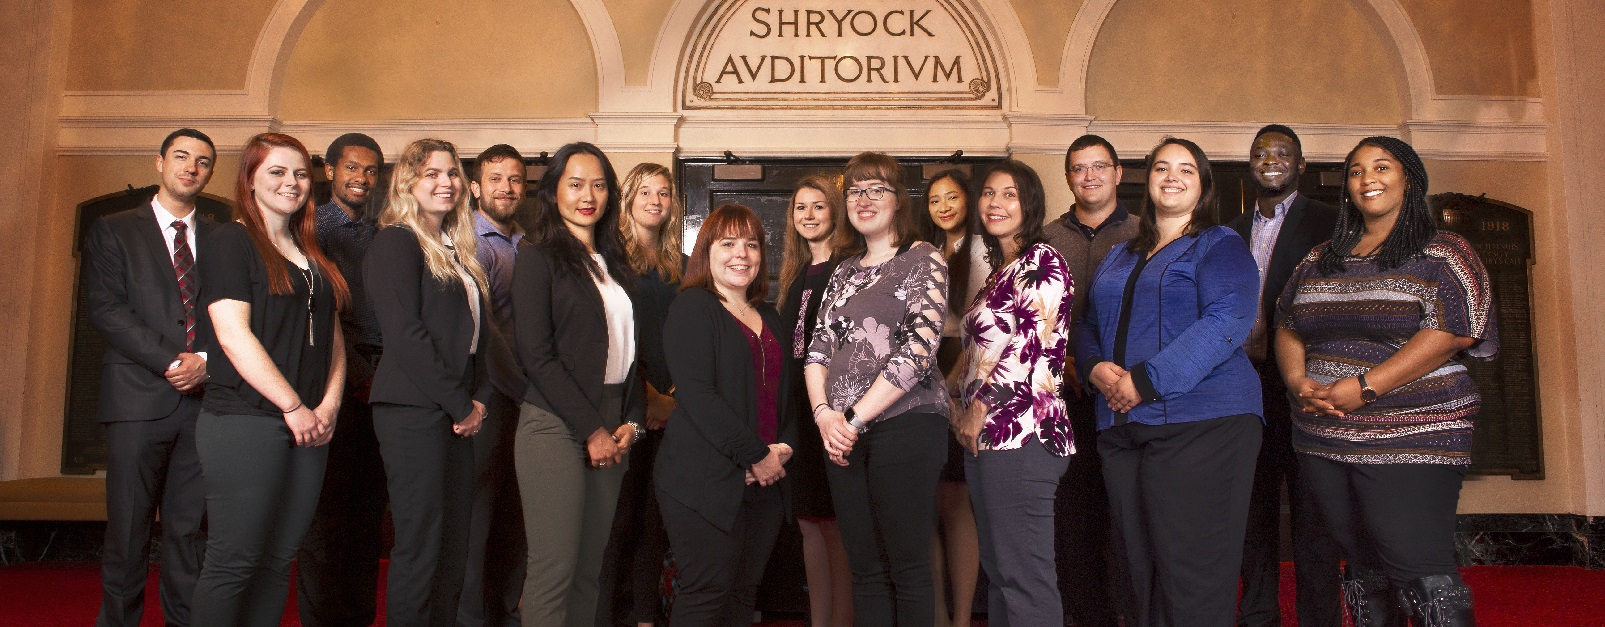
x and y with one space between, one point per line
485 228
1116 217
331 214
1278 213
165 217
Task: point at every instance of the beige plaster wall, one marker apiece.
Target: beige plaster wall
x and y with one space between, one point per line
139 45
638 23
1212 63
1478 47
1047 26
411 59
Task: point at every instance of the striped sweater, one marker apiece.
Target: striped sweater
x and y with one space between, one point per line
1354 320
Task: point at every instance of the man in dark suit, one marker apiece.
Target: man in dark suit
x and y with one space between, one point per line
142 293
1280 231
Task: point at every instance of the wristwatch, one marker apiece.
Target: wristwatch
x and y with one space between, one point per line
861 426
1367 394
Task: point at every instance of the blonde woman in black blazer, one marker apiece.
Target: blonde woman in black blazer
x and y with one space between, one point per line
430 388
574 327
720 466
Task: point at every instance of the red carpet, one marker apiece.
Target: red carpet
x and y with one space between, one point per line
68 594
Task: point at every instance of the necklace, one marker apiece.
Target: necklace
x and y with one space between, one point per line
312 290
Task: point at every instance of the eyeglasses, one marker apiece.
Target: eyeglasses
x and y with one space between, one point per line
874 193
1095 168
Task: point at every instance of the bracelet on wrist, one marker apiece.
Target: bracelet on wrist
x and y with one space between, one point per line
297 406
639 431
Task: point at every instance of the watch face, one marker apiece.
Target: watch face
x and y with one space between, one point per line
1368 395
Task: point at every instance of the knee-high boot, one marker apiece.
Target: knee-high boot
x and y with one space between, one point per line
1370 598
1439 601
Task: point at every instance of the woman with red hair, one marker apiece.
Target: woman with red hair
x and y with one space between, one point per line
277 371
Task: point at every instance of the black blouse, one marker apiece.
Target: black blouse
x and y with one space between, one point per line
234 271
652 298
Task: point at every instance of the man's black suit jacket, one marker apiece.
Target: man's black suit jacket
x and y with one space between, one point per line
132 293
1308 223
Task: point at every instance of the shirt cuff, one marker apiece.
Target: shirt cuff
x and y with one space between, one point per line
1145 385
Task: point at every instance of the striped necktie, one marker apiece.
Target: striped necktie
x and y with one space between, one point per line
184 268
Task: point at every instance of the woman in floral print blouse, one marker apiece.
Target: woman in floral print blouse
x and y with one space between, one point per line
1014 423
878 399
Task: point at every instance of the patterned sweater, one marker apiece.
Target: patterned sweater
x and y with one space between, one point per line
1352 321
884 321
1015 337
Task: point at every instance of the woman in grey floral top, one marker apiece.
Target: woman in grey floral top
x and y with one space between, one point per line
878 399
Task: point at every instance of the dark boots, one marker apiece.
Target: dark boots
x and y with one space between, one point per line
1438 601
1370 598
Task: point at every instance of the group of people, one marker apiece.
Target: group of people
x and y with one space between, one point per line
552 412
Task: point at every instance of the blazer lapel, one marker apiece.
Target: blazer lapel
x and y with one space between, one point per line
1290 238
150 233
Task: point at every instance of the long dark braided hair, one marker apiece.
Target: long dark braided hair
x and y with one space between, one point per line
1413 229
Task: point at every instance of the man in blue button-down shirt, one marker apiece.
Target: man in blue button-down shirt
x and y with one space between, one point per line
495 574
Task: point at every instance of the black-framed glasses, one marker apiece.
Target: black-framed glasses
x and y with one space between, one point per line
1096 168
874 193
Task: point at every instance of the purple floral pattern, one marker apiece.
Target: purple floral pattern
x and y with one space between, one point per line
1016 334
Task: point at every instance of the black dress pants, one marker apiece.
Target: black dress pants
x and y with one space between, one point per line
430 474
1315 555
885 502
1081 535
632 570
1179 498
494 573
719 569
337 568
1395 518
152 465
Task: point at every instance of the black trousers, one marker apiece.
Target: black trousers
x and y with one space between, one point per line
1315 554
152 465
1179 498
632 568
1396 518
261 490
1081 533
430 474
885 501
493 576
719 569
337 568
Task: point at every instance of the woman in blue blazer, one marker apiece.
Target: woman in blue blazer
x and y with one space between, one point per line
1161 344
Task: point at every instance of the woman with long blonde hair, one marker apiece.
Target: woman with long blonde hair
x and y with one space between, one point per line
429 391
650 216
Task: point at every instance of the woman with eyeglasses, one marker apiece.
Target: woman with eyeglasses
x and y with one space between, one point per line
1179 424
878 399
1375 327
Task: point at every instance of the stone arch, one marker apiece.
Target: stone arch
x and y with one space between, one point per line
1387 16
284 25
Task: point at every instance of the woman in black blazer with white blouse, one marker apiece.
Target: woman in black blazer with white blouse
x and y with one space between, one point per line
574 327
720 466
429 390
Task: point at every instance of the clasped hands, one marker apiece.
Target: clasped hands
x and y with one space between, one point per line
604 448
1336 399
839 437
771 468
1116 385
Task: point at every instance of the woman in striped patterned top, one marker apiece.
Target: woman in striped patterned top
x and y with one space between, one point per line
1374 325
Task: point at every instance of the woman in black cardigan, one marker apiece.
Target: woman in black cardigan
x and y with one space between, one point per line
429 391
721 461
574 326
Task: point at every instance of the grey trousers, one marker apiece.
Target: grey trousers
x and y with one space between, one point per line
261 490
568 515
1013 494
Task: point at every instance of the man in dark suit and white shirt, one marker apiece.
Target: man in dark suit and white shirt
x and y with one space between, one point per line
1281 230
141 286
